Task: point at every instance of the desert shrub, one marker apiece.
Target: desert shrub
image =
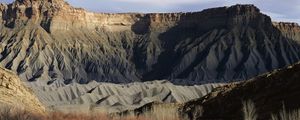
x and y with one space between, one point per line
163 112
158 112
287 115
198 111
13 113
249 110
250 113
75 116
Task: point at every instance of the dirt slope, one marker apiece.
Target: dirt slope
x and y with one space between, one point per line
269 92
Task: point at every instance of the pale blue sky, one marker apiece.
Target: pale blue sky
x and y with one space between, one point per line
279 10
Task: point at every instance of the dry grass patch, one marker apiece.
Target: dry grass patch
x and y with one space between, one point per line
163 112
12 113
287 115
249 110
158 112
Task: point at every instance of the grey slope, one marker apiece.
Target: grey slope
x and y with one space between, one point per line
111 97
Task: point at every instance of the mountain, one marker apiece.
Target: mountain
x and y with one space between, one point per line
49 41
14 93
269 92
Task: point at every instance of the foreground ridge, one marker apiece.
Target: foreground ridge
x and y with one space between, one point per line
269 92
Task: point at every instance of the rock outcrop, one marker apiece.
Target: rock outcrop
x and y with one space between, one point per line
14 93
269 92
48 40
290 30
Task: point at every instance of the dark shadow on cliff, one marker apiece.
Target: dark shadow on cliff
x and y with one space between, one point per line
189 27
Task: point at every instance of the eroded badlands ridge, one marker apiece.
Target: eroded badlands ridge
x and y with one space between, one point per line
109 97
49 41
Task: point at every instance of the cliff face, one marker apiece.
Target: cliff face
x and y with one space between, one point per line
290 30
49 41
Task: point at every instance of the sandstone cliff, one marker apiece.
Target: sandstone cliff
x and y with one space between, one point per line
49 41
14 93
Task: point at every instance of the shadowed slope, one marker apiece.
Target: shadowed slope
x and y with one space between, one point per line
269 92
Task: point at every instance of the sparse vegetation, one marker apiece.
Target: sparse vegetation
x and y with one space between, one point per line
198 112
163 112
158 112
287 115
12 113
249 110
250 113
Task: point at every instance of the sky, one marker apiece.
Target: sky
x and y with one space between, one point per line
279 10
